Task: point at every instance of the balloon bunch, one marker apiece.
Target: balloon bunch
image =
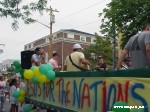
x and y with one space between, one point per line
20 95
28 108
40 74
18 69
17 66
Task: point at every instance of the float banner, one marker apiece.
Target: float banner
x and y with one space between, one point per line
92 94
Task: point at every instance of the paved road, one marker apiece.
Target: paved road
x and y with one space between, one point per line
7 107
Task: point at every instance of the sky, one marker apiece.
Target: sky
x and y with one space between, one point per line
80 15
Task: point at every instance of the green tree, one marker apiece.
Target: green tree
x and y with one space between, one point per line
128 15
18 9
102 47
10 69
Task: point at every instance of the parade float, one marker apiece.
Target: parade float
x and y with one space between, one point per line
88 91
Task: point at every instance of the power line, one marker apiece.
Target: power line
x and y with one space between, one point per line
87 24
81 10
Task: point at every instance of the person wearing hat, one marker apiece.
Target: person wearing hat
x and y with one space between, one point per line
54 61
126 63
76 61
38 57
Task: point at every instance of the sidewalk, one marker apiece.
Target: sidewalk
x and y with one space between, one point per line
7 107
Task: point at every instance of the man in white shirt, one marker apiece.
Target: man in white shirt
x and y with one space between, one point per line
38 57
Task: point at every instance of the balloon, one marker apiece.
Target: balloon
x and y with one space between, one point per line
16 94
42 78
15 63
32 68
43 68
120 103
137 110
27 107
28 74
50 74
21 72
18 65
36 71
16 70
35 79
22 92
49 67
21 99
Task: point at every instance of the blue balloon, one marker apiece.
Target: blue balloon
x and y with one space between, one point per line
16 94
43 68
32 67
35 79
49 67
50 74
27 107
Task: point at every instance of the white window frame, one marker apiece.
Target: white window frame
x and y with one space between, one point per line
70 35
47 40
93 40
83 38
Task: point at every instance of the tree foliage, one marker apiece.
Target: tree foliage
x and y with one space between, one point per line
128 15
17 9
101 47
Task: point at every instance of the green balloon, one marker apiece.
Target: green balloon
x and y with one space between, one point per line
43 68
18 65
49 67
16 94
120 103
16 70
21 72
15 63
137 110
27 107
35 79
50 74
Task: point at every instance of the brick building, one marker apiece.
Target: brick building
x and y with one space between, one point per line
63 41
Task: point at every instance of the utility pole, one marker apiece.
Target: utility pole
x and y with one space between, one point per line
52 20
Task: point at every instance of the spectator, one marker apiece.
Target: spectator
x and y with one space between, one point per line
14 103
2 88
76 61
38 57
54 62
138 47
126 64
101 65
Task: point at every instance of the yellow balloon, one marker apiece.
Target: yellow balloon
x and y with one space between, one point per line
36 71
21 99
22 92
28 74
42 78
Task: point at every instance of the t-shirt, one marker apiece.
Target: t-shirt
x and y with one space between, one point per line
34 59
137 52
12 99
53 62
75 56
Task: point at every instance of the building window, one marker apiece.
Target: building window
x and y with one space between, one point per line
83 39
31 45
93 56
47 40
93 40
54 37
70 35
